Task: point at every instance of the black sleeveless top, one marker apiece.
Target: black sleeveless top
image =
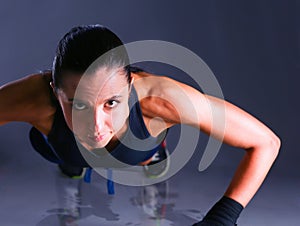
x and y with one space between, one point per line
60 146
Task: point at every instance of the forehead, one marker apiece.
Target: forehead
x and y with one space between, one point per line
103 83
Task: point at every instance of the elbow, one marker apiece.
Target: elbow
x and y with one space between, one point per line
268 146
274 144
277 143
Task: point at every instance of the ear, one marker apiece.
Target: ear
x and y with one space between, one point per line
53 88
131 83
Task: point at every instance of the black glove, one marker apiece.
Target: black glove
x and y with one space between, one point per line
224 213
201 223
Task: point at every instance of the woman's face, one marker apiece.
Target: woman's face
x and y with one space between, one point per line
95 106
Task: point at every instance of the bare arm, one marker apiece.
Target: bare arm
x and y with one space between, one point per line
240 129
261 144
26 100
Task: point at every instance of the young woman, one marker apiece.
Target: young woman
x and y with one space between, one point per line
70 112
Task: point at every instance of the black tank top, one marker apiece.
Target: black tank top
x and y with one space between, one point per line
136 146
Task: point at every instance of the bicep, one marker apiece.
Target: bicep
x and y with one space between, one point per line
20 100
238 127
11 100
219 118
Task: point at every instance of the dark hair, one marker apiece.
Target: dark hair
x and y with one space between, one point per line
82 46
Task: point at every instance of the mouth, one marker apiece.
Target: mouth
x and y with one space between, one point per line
96 139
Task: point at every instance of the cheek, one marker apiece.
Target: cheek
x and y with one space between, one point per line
67 112
68 118
119 116
74 120
81 122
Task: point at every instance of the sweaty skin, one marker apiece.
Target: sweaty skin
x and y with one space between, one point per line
164 103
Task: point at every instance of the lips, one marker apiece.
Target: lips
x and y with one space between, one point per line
97 138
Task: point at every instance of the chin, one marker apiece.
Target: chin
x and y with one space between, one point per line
94 145
89 145
97 145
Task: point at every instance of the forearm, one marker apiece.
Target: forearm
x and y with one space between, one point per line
252 171
249 176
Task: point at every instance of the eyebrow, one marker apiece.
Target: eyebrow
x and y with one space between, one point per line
113 97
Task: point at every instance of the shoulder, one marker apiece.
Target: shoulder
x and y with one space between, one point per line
151 85
166 100
27 99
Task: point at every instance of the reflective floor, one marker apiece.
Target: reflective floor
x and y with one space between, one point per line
41 196
33 192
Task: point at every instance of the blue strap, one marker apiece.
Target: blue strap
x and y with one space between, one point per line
87 175
110 183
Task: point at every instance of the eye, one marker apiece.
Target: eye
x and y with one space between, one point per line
79 106
111 103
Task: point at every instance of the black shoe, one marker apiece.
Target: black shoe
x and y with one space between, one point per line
72 171
159 164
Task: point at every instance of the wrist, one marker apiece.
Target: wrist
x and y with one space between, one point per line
224 213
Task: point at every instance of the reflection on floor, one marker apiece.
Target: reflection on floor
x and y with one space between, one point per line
79 203
40 195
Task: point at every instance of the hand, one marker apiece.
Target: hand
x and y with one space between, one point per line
202 223
224 213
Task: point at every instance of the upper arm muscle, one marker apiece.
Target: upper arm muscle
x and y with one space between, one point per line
26 100
221 119
176 103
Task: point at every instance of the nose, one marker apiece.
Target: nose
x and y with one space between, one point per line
99 121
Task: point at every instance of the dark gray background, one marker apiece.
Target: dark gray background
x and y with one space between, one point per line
253 48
